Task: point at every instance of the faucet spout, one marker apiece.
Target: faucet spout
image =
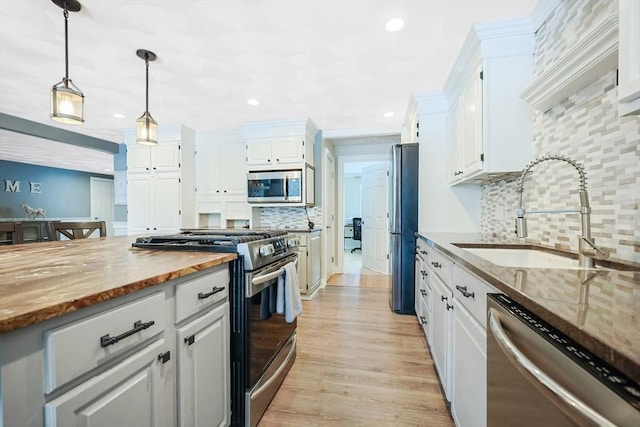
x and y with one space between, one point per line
587 249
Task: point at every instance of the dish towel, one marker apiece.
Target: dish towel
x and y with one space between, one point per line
288 300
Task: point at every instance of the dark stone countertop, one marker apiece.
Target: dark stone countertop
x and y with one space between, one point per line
600 309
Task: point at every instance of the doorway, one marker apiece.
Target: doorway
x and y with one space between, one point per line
102 201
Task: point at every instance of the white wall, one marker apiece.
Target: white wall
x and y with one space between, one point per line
352 198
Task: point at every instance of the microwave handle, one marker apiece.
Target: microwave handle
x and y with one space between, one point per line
286 188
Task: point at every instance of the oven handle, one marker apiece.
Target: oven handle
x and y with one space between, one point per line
276 374
571 403
269 276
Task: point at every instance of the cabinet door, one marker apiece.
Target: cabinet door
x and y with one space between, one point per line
315 250
454 154
303 275
139 199
165 157
204 386
136 392
441 332
472 125
469 401
258 152
208 177
138 158
165 208
233 170
288 149
629 57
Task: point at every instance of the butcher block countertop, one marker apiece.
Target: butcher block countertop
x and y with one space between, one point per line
599 309
39 281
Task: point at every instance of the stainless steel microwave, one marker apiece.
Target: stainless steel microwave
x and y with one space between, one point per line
281 186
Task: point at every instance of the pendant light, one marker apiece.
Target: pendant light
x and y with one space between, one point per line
67 101
146 127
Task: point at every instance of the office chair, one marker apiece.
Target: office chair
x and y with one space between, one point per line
357 233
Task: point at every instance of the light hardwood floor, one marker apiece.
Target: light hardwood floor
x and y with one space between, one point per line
358 364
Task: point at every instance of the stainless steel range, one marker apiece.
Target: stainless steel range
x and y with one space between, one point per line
263 344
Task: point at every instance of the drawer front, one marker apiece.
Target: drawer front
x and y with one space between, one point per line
471 292
425 320
422 249
425 289
201 293
441 265
79 347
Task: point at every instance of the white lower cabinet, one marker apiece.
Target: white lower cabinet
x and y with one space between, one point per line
442 319
204 387
469 399
309 266
136 392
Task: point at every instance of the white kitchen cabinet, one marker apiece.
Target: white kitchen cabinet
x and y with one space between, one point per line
137 391
490 127
423 289
629 58
204 387
276 152
66 371
441 332
309 262
161 182
469 376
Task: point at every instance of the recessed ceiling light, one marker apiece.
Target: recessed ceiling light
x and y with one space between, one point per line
253 102
388 114
106 170
395 24
118 115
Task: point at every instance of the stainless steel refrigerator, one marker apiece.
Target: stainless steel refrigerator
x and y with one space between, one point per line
403 224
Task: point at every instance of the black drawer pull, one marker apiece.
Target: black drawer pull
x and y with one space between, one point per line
463 290
424 273
423 292
436 264
106 340
423 252
449 307
423 320
190 339
215 290
164 357
443 298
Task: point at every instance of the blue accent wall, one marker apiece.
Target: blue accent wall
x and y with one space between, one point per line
63 193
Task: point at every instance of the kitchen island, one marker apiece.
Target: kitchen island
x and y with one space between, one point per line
596 308
97 330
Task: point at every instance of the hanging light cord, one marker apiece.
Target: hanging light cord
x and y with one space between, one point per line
66 44
146 61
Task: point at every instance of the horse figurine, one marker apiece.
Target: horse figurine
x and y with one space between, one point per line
33 213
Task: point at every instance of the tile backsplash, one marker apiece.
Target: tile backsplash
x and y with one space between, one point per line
289 217
587 128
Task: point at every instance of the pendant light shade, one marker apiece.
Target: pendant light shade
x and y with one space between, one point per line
146 127
67 101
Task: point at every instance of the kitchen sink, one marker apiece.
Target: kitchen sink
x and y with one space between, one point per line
526 258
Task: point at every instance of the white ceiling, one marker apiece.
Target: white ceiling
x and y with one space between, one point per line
330 60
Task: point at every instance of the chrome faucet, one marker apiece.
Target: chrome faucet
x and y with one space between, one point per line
588 252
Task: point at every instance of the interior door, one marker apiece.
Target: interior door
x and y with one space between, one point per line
329 213
102 201
374 218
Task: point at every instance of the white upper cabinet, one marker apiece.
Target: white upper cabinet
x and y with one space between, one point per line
629 58
489 128
163 157
286 144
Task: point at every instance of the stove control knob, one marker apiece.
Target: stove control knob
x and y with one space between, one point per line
292 243
267 250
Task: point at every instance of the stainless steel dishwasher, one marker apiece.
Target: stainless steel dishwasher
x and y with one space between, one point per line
536 376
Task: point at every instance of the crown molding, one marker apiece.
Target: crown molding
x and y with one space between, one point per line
590 58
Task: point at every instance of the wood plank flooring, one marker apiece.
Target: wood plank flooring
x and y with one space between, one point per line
358 364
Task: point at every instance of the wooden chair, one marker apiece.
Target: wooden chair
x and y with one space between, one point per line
15 229
76 230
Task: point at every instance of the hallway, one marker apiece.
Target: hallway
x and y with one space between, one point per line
358 364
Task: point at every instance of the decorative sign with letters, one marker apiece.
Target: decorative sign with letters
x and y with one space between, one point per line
14 186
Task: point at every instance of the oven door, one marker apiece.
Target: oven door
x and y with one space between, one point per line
272 341
274 187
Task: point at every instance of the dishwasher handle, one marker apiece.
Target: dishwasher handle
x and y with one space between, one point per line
570 403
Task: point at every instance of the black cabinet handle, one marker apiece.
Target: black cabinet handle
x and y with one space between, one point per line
424 273
215 290
449 307
424 252
190 339
423 292
436 264
423 320
463 290
164 357
443 298
138 326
